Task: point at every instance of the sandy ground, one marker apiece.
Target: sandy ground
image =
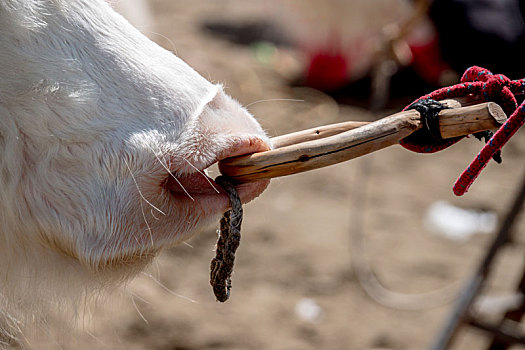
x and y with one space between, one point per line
296 250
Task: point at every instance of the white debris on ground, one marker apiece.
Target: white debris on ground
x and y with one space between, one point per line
308 310
447 220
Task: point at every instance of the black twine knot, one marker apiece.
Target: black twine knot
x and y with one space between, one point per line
429 110
427 139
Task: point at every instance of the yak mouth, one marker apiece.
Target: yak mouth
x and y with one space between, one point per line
199 188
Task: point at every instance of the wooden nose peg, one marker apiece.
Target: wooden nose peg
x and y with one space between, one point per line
331 144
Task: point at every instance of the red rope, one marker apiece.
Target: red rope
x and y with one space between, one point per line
490 87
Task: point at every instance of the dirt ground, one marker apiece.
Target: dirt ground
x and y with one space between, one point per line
294 286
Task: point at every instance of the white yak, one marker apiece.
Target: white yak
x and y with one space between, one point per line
104 137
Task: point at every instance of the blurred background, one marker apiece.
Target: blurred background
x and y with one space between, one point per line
391 215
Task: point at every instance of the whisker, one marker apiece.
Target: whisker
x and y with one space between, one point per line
147 225
187 193
153 214
202 173
138 189
272 100
142 211
167 289
157 267
171 174
137 309
173 48
187 244
139 297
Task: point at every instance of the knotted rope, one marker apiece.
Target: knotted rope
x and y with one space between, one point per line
221 267
489 87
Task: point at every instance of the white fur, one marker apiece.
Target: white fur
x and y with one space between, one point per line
92 114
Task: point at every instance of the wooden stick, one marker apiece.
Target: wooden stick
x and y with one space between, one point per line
447 117
320 147
469 120
314 133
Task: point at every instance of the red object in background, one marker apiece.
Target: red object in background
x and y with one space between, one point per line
427 61
327 71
